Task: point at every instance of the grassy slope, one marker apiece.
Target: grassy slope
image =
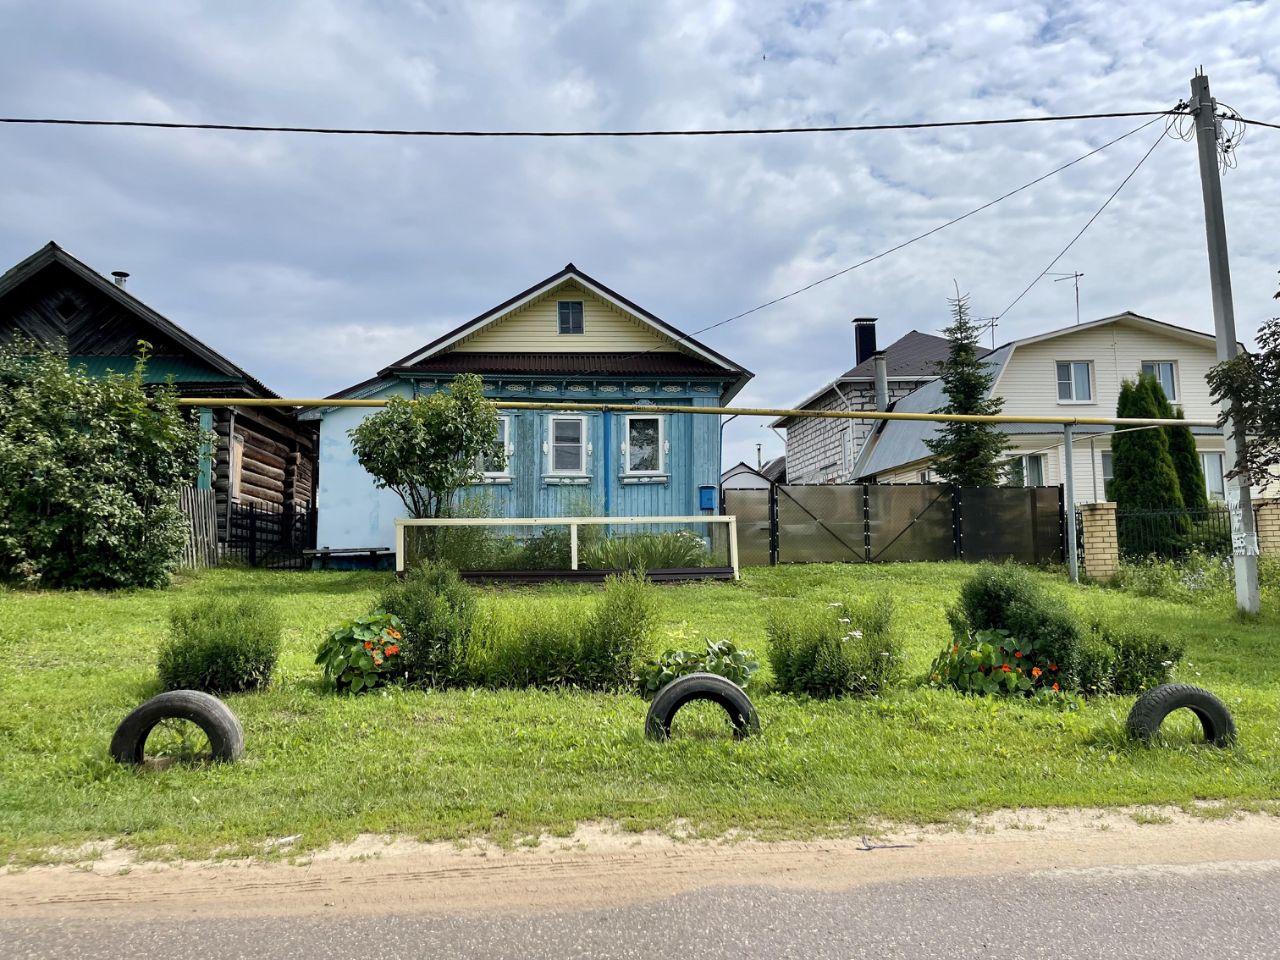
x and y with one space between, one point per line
441 765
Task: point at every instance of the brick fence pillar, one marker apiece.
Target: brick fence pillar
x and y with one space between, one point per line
1267 518
1101 550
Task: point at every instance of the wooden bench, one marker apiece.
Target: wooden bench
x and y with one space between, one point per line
324 553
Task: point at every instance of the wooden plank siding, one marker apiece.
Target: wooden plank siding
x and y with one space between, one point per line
201 511
534 328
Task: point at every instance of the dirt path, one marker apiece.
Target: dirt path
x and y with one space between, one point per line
601 866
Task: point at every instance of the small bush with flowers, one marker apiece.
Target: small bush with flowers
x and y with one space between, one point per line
363 653
994 663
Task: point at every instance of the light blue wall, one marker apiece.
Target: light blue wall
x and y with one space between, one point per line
354 514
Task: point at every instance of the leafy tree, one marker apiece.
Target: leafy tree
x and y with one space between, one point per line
91 470
429 448
1250 384
1182 449
967 454
1144 478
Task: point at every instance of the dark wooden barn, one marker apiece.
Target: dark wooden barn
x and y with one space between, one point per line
264 456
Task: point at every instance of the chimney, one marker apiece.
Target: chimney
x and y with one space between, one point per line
882 381
120 277
864 338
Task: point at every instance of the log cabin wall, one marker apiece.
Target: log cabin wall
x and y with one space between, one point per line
257 461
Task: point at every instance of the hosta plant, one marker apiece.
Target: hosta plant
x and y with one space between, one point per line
721 657
363 653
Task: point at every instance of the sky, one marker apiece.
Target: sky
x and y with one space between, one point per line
314 261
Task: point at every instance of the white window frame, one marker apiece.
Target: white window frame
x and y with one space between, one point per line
1026 468
1176 397
582 304
662 445
504 426
584 447
1107 459
1221 474
1093 389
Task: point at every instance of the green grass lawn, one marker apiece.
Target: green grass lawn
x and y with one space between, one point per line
508 764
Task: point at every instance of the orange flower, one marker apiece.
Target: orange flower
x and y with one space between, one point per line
368 644
1018 654
394 634
1005 667
1056 688
377 661
392 650
1053 667
1036 671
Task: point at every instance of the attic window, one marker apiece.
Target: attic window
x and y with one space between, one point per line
67 308
570 312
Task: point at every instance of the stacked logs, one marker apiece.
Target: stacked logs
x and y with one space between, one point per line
271 474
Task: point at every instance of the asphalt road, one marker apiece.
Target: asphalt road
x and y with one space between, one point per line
1217 911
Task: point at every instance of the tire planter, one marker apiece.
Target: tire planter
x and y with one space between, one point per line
1156 704
226 737
701 686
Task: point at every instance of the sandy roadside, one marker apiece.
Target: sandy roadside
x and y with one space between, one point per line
602 866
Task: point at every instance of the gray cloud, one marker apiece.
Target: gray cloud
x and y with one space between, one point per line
313 261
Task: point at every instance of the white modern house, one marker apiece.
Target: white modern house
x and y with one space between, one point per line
1074 371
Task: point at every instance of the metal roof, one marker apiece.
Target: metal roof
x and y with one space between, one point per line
158 370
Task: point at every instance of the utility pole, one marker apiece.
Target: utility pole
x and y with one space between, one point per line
1244 538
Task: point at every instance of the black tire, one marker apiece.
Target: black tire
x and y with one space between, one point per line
701 686
1156 704
226 737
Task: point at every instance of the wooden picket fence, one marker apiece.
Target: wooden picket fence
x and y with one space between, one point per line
201 509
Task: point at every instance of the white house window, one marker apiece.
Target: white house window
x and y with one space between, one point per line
568 445
1025 471
570 316
924 476
1166 374
645 445
1214 478
1108 474
1075 381
495 463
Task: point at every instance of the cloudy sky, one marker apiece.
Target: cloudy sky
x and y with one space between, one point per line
312 261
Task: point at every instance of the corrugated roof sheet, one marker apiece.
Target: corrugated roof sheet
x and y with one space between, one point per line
659 362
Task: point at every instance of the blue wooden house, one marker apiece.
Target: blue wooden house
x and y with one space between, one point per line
566 338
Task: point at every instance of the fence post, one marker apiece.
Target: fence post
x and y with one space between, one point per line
773 525
1069 495
1101 549
573 546
253 536
957 520
866 520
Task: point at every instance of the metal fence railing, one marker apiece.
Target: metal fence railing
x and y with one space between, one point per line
1172 534
270 536
875 523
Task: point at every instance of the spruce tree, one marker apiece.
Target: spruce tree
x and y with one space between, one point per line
967 454
1182 450
1145 480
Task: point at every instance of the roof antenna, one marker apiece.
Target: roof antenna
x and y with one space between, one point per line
1076 278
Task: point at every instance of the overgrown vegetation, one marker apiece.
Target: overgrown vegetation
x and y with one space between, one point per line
91 469
1124 659
673 550
363 653
833 650
721 657
438 613
466 762
220 645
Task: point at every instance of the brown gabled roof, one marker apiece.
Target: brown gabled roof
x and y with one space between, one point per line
668 363
51 254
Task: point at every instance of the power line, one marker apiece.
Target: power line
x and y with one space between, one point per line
918 237
1097 213
1258 123
729 132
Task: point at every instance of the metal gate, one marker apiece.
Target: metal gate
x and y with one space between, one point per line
873 523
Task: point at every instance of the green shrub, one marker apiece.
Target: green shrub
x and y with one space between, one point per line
679 549
1140 659
593 647
721 657
438 612
992 662
1010 598
843 648
363 653
618 632
1097 667
91 471
220 645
